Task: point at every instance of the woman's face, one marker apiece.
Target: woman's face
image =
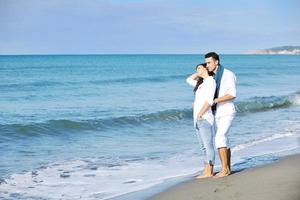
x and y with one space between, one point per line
201 70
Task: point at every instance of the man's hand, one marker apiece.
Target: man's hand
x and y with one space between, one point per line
215 101
224 98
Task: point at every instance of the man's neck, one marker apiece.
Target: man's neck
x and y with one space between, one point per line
216 69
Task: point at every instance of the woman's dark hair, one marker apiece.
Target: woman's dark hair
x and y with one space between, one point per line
200 79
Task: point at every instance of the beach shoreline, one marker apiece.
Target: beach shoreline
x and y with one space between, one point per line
278 180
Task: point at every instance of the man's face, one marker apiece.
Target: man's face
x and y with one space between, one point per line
211 64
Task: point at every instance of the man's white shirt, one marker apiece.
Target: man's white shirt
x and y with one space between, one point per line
228 86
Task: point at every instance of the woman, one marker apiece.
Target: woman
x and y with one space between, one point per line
204 89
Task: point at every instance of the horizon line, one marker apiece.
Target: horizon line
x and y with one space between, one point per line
120 54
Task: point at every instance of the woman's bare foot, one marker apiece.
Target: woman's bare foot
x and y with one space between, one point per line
207 172
204 176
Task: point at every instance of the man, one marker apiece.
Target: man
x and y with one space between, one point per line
224 109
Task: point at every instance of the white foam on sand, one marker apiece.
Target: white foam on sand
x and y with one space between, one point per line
85 179
287 141
261 140
80 180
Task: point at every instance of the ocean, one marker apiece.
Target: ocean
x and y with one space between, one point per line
107 126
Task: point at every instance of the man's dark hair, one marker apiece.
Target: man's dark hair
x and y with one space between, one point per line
214 55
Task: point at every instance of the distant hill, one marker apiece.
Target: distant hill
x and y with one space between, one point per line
293 50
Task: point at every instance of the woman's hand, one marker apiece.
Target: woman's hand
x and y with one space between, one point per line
199 117
194 76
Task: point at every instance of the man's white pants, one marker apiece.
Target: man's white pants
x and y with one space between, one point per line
222 126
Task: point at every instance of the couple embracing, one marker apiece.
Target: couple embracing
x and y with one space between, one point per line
213 110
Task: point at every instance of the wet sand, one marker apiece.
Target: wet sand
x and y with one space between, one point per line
276 181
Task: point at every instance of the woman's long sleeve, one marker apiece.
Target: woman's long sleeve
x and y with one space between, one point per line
191 81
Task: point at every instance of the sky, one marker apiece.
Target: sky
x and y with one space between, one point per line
146 27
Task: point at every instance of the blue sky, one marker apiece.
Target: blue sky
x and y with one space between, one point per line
133 27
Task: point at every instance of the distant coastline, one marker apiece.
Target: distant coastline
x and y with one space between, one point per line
289 50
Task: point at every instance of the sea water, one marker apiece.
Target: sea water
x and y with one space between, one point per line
99 126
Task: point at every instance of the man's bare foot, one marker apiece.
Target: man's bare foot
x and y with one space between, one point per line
222 174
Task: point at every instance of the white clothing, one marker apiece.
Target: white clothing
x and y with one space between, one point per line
222 126
204 93
227 86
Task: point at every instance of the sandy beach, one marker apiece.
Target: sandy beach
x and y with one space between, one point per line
276 181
